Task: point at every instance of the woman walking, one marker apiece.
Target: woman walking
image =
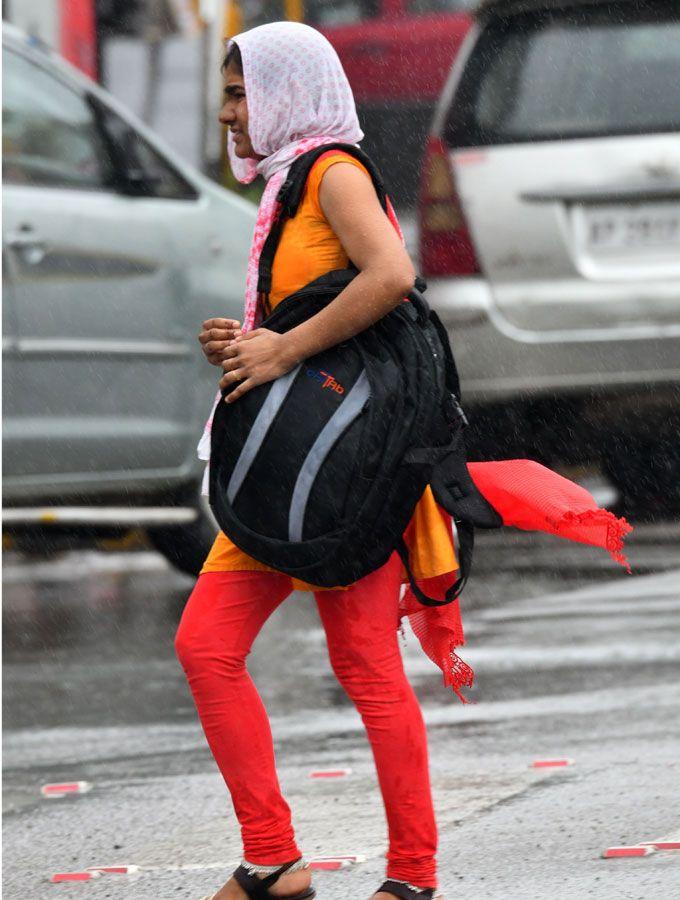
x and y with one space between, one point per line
286 93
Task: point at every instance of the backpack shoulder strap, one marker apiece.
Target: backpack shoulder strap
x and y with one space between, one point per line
455 491
290 192
289 198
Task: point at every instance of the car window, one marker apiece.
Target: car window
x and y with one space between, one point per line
342 12
155 175
165 181
425 7
50 136
583 72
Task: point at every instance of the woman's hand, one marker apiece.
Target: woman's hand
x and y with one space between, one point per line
216 336
255 358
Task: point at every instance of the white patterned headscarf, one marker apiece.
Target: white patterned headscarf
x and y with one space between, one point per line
296 89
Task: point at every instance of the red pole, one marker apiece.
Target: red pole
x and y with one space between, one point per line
77 35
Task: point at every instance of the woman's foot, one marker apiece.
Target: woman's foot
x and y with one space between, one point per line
287 885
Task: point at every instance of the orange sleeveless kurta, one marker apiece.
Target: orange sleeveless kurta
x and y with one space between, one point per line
308 249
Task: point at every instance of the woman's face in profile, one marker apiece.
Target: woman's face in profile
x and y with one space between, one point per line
234 113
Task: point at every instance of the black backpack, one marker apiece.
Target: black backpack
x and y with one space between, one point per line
317 473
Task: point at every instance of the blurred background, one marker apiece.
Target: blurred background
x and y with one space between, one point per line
159 56
532 148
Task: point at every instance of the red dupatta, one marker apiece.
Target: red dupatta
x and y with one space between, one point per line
529 496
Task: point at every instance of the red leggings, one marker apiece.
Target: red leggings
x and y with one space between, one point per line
222 618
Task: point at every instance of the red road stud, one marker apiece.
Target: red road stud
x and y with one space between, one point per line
330 773
551 763
61 790
329 865
613 852
114 870
74 876
662 845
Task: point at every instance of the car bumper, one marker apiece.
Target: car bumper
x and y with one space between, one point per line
495 364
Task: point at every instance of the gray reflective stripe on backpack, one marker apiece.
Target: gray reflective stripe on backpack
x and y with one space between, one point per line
258 432
343 416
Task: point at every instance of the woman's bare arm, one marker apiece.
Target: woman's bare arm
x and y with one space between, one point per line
386 275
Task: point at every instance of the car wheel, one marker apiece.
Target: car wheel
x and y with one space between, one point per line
186 546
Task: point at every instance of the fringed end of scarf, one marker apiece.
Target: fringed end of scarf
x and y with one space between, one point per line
614 531
440 631
457 674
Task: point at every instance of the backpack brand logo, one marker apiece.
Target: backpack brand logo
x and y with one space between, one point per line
326 379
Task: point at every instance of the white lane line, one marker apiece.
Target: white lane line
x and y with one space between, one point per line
641 606
666 584
191 867
504 658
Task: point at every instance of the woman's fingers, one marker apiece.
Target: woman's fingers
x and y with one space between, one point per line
216 335
215 351
232 377
255 358
219 351
215 342
242 389
216 330
231 363
213 348
235 371
231 350
224 324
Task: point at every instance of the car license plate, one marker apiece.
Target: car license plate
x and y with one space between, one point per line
618 229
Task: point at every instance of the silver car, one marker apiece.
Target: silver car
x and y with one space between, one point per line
115 251
550 235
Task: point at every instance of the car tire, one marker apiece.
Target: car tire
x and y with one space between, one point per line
186 546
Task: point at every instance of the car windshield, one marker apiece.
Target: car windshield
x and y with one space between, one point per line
587 71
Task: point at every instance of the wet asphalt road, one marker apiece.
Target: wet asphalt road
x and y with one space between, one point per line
573 658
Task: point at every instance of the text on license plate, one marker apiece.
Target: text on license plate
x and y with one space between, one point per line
647 226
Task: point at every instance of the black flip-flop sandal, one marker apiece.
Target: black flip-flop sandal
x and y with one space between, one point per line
405 893
257 888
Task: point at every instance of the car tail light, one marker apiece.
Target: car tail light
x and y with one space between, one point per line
446 247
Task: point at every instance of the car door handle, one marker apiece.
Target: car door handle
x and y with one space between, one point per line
31 247
24 238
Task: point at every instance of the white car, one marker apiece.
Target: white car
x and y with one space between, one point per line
550 235
115 251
